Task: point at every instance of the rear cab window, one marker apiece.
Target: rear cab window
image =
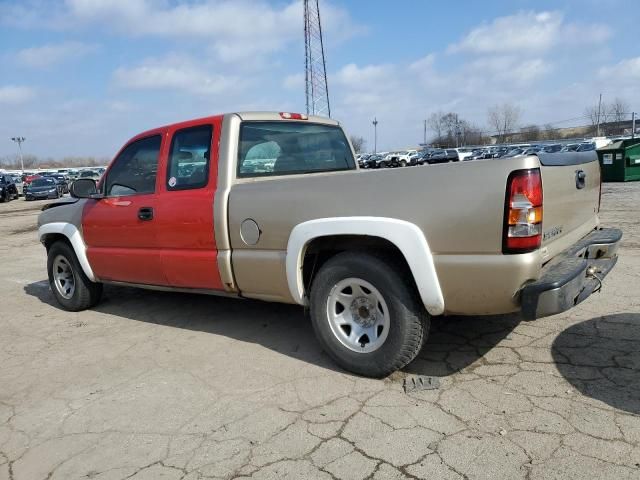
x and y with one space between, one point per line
274 148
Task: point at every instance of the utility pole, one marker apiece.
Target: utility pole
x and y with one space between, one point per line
633 124
375 135
425 133
19 141
599 107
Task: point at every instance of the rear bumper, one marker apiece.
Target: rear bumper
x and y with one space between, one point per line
572 276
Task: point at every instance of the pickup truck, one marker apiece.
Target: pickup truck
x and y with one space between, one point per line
272 206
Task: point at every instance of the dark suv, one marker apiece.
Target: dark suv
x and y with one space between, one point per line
8 189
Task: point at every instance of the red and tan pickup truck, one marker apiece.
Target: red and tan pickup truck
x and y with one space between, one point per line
272 206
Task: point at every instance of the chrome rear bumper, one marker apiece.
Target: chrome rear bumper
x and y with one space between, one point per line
572 276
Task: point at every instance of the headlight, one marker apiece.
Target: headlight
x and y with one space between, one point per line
52 190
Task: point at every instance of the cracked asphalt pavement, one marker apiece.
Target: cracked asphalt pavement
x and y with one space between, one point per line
152 385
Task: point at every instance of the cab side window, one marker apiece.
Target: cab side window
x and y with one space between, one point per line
189 158
134 171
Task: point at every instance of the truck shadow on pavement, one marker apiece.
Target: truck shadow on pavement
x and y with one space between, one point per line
453 344
601 359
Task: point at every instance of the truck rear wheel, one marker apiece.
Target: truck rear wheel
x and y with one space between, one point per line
71 287
367 318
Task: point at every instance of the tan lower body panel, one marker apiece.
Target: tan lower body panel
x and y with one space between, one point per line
262 274
471 284
484 284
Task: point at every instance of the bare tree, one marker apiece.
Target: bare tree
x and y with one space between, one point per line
435 123
618 110
503 119
530 133
596 114
358 143
549 133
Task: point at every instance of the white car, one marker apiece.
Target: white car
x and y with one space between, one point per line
463 153
399 159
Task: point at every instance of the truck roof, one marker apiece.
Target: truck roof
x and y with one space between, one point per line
255 116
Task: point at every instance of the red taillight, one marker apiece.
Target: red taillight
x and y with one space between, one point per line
523 212
293 116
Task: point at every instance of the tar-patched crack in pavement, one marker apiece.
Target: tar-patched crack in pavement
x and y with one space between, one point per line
152 385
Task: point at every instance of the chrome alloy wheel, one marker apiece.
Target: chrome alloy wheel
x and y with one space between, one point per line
63 277
358 315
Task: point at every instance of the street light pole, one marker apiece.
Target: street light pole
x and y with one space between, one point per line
425 133
19 141
599 107
633 124
375 135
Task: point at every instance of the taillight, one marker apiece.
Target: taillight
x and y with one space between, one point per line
293 116
523 212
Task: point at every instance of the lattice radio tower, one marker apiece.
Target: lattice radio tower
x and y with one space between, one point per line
316 86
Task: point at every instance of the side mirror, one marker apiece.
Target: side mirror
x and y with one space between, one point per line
84 188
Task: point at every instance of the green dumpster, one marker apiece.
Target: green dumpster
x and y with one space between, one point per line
620 161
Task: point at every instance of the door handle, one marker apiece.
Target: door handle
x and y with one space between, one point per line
145 213
580 179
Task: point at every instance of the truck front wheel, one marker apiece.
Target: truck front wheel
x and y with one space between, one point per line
366 317
71 287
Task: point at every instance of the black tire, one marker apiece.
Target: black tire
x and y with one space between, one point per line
409 321
86 293
383 164
403 163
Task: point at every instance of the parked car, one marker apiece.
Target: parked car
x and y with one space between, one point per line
62 182
586 147
309 229
478 154
8 189
42 188
402 158
531 151
372 161
17 179
570 147
513 152
443 156
91 174
464 153
437 156
553 148
28 178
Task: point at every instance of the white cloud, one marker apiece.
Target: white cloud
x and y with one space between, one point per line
50 54
175 74
509 69
369 75
423 65
527 32
625 70
237 30
15 94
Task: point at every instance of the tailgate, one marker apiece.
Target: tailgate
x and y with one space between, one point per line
571 189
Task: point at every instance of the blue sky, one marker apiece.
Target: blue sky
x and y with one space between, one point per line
79 77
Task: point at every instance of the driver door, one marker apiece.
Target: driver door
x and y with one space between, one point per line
120 229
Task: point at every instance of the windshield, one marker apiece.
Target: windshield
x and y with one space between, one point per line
87 174
43 182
